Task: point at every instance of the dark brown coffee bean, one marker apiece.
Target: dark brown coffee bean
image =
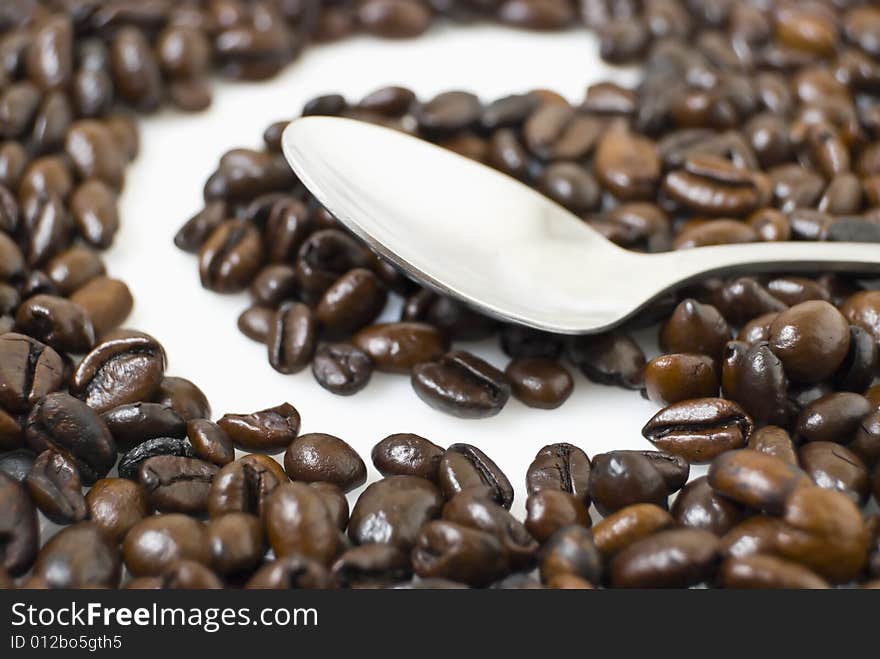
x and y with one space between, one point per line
79 556
74 268
370 566
230 257
763 572
393 19
856 373
465 467
183 397
274 284
292 573
629 524
388 101
757 480
570 185
755 378
342 368
619 479
835 467
744 299
125 367
93 206
557 132
699 429
116 505
48 175
677 377
448 112
17 463
398 347
292 338
570 551
298 522
244 485
673 469
451 551
55 487
177 484
461 384
135 423
58 322
130 462
668 559
699 506
562 467
65 424
627 165
863 309
28 371
318 457
193 234
237 543
407 454
19 528
355 300
270 430
135 70
714 186
774 441
183 52
18 104
323 258
393 510
454 319
49 55
832 418
158 541
256 323
210 442
812 340
107 303
335 501
611 359
539 382
549 510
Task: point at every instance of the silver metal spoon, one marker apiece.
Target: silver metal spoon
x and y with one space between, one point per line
478 235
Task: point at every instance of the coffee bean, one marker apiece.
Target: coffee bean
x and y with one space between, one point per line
323 258
835 467
193 234
210 442
695 328
184 397
539 382
244 485
611 359
55 488
398 347
627 165
335 502
556 132
352 302
158 541
755 378
744 299
317 457
833 418
134 423
176 483
79 556
407 455
461 384
856 373
236 542
230 257
371 566
677 377
464 467
116 505
863 309
668 559
547 511
73 268
270 430
125 367
812 340
388 101
292 573
570 551
562 467
393 510
393 19
755 479
627 525
774 441
292 338
297 522
342 368
28 371
135 69
699 506
451 551
256 323
60 323
765 572
19 528
454 319
619 479
107 303
17 463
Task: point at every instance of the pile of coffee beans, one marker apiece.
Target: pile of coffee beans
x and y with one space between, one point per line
753 121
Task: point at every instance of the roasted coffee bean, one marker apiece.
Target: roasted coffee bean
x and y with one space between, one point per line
60 323
556 132
464 467
757 480
570 551
125 367
388 101
244 485
323 258
393 19
135 423
453 318
12 262
571 186
274 284
210 442
673 469
353 301
835 467
539 382
11 433
627 525
812 340
177 484
292 338
856 373
863 309
256 323
398 347
611 359
158 541
866 443
627 165
520 342
183 397
135 70
342 368
17 463
619 479
448 112
130 462
79 556
406 454
832 418
461 384
200 226
19 528
93 206
698 506
668 559
66 425
695 328
292 573
550 510
335 502
393 510
562 467
55 488
73 268
451 551
744 299
28 371
270 430
774 441
677 377
236 542
106 301
715 186
764 572
373 565
298 522
754 377
116 505
189 575
699 429
315 457
230 257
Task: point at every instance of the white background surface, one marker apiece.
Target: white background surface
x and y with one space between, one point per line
198 328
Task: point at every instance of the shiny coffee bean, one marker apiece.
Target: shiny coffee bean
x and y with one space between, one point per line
451 551
674 558
698 506
856 373
256 323
183 397
763 572
107 303
79 556
270 430
244 485
754 377
372 566
28 371
547 511
835 467
158 541
292 573
406 454
619 479
230 257
116 505
135 423
318 457
695 328
757 480
298 522
236 542
863 309
342 368
461 384
774 441
176 483
393 510
464 467
611 359
57 322
19 528
677 377
539 382
292 338
812 340
570 551
833 418
627 525
55 487
352 302
562 467
398 347
210 442
131 461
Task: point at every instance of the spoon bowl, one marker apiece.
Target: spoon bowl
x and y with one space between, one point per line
482 237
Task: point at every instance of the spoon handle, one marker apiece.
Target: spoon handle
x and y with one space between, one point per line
684 265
